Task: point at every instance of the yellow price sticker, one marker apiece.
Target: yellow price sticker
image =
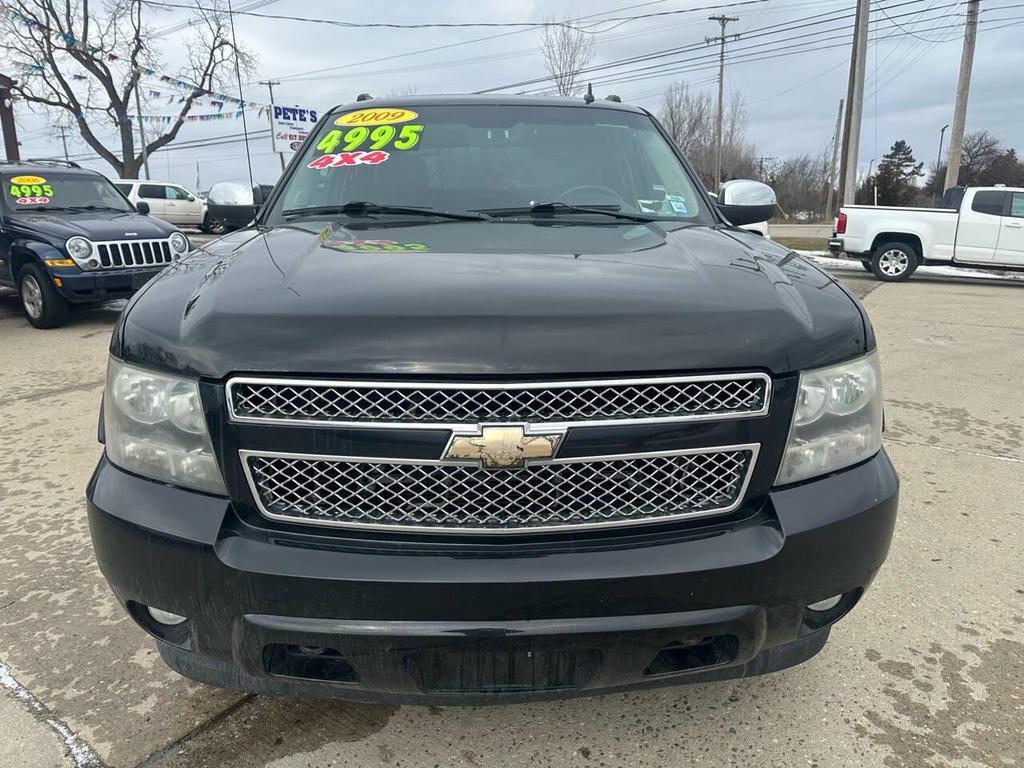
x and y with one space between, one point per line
381 116
28 180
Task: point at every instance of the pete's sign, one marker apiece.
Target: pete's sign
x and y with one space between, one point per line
290 126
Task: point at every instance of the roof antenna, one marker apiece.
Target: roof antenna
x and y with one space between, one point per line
589 97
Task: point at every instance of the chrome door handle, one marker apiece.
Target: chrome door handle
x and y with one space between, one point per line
1015 224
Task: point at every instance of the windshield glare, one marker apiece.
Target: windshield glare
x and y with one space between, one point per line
490 158
53 191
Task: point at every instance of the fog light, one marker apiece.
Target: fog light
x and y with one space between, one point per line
166 617
822 605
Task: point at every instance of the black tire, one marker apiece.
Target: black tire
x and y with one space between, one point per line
213 226
43 306
866 263
894 262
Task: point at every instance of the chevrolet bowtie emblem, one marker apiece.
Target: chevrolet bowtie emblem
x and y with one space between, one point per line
502 447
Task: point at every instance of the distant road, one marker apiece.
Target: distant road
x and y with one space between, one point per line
799 230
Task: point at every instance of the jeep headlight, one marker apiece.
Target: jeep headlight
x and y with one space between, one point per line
837 420
179 243
78 248
155 427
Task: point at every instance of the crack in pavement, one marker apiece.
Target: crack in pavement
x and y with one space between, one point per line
155 757
995 456
80 752
58 390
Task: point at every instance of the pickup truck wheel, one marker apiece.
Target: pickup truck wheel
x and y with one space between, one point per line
213 226
894 262
43 306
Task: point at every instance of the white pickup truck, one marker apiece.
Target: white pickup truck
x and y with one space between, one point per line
986 232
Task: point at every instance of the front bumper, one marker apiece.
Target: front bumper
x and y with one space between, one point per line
318 614
79 286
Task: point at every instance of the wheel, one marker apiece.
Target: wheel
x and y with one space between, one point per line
43 306
894 262
866 263
213 226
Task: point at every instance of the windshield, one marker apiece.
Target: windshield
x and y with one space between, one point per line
56 191
494 159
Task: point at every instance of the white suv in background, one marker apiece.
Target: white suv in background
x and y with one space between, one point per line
170 202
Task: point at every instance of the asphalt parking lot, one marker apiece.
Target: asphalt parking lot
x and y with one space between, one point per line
928 671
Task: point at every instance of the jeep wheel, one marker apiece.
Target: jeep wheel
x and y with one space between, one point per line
894 262
213 226
43 305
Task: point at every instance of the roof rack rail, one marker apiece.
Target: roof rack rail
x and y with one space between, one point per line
52 161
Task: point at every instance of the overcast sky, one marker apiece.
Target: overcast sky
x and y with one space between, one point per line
791 100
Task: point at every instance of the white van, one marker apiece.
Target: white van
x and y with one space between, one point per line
171 202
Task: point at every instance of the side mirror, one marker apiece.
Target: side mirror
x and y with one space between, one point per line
191 198
142 207
742 201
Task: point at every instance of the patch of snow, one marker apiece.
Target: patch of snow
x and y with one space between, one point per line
829 262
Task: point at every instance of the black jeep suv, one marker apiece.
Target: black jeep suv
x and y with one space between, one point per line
67 236
491 403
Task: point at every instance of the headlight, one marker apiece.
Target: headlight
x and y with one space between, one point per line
78 248
155 427
179 243
837 420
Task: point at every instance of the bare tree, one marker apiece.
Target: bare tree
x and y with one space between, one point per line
801 184
687 117
567 51
403 90
85 62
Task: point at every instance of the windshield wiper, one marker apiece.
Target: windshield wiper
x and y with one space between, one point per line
559 207
362 208
92 207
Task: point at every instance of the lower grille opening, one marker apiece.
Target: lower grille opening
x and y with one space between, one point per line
683 657
309 663
514 670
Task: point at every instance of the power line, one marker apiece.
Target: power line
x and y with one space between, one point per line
450 24
767 31
748 53
456 44
759 56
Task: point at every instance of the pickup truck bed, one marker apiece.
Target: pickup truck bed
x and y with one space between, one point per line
986 231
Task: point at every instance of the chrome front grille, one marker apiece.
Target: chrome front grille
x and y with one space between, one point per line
134 253
575 493
433 404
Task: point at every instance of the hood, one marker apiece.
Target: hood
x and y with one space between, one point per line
95 225
488 298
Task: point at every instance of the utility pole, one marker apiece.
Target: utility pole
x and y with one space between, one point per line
836 139
142 131
7 119
855 106
64 141
273 140
723 21
963 88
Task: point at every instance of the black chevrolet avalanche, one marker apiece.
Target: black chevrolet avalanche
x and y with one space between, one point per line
491 403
